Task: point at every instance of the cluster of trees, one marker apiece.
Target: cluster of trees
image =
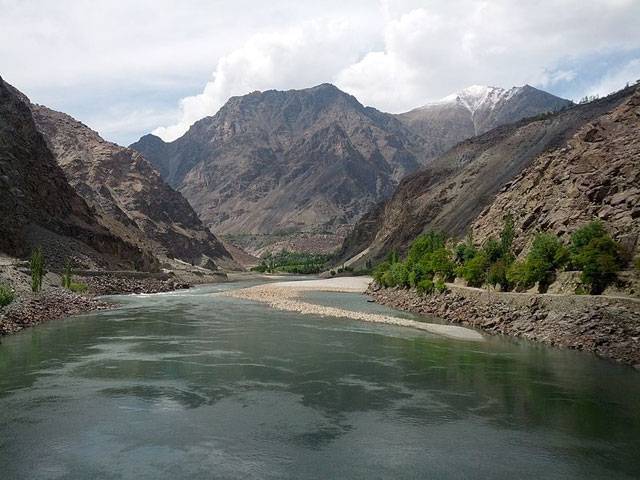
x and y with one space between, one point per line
431 262
292 262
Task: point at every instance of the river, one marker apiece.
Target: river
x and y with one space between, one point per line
197 385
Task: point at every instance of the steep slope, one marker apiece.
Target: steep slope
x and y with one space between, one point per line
128 195
37 205
595 175
453 190
476 110
295 160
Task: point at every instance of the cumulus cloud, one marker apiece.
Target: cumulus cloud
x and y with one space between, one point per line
427 50
123 66
292 58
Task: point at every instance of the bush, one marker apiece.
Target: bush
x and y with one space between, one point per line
332 273
6 295
546 256
517 276
474 270
379 272
424 245
598 256
497 275
424 286
399 275
37 269
440 286
78 287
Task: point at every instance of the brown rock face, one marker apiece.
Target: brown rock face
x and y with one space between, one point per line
127 193
314 160
39 207
296 160
596 175
451 192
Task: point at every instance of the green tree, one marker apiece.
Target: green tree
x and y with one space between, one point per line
546 256
37 269
597 255
474 271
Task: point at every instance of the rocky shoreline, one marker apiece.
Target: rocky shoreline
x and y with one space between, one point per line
55 303
52 304
608 327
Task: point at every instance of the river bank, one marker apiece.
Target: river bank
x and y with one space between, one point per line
286 296
54 302
606 326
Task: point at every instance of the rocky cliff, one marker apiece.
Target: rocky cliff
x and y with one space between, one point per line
596 174
37 205
453 189
127 193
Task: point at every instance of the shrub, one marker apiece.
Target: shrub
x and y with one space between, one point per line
492 250
424 245
6 295
547 255
440 286
387 279
332 273
37 269
474 270
464 252
424 286
379 271
517 276
78 287
399 274
497 275
598 256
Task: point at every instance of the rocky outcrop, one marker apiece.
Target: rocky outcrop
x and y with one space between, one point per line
128 195
608 327
595 175
39 207
453 190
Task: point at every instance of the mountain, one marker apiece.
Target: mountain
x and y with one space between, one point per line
316 159
294 160
595 175
37 205
476 110
452 191
127 194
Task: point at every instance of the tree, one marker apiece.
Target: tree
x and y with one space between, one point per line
37 269
547 255
598 256
67 274
474 270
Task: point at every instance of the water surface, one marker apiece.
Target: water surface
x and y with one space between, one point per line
197 385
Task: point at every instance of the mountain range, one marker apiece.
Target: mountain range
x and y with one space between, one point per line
554 171
316 160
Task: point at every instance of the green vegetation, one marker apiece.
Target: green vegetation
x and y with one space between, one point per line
37 269
78 287
67 279
546 256
430 263
67 274
292 262
598 256
6 295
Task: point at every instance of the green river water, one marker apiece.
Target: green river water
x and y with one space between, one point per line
201 386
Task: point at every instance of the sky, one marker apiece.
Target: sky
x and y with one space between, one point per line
127 68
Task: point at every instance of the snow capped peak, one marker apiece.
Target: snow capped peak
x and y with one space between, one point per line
477 97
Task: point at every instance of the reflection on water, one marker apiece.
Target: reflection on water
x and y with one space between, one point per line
195 385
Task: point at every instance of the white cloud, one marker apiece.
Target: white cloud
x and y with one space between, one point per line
80 56
618 78
297 57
